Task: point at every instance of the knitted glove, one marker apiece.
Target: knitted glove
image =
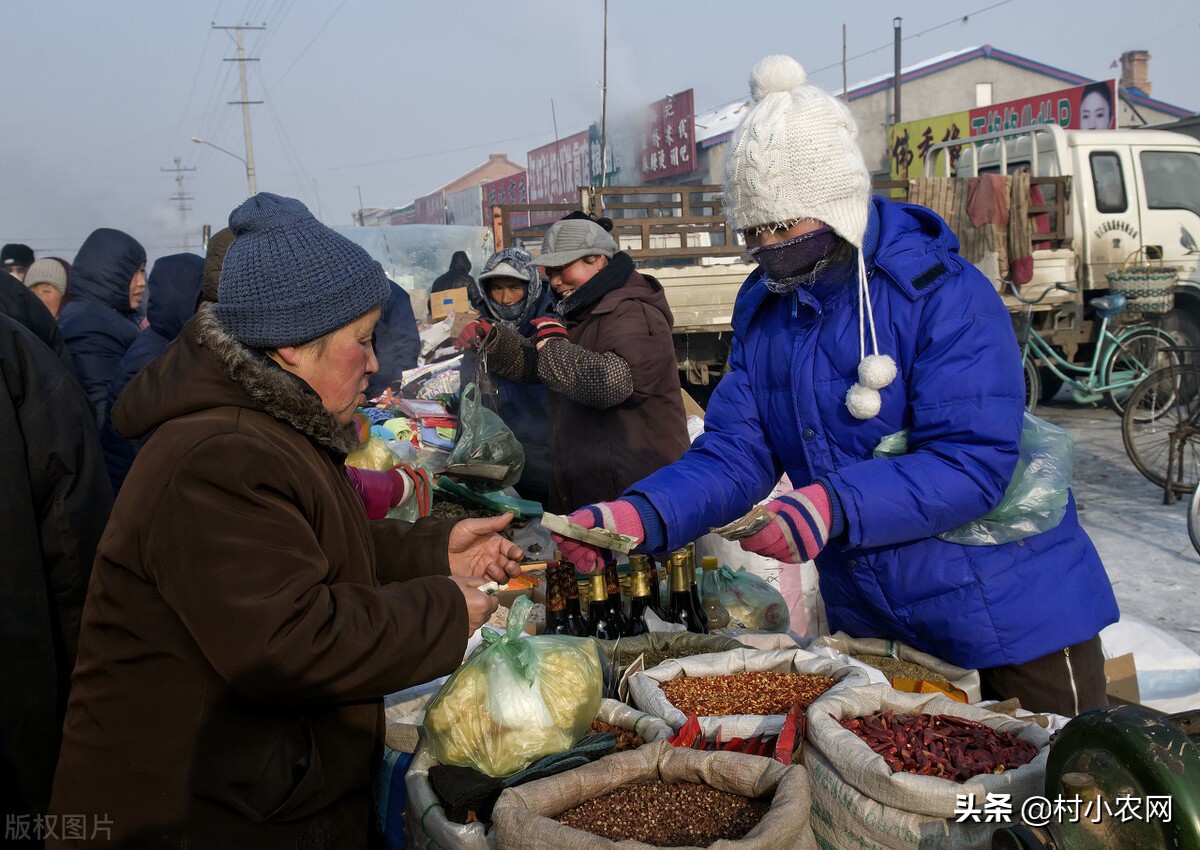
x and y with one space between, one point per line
411 482
376 489
619 516
474 335
799 530
546 329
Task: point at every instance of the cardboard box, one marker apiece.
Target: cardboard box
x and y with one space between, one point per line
1120 675
442 304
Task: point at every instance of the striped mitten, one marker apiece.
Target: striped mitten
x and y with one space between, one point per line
799 530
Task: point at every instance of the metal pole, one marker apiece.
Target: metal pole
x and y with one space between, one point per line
896 78
246 117
604 107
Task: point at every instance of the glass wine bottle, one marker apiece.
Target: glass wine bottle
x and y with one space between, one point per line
646 564
694 585
612 584
599 624
556 601
710 593
680 607
578 626
639 601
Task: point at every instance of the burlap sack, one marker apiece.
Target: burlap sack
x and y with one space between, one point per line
428 826
645 688
861 768
524 815
626 650
965 680
843 818
646 726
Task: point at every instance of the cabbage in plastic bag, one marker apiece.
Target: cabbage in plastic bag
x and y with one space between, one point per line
515 700
752 602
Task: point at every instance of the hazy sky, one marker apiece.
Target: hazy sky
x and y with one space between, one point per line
393 99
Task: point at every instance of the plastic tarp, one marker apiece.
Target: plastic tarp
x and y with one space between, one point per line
413 255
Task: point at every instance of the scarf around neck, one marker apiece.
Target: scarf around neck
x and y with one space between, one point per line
611 277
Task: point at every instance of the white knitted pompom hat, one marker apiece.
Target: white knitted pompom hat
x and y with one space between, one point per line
795 155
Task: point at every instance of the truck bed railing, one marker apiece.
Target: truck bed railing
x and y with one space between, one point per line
1055 193
658 223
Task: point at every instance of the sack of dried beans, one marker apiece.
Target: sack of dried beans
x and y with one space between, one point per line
660 796
646 727
742 692
864 795
900 659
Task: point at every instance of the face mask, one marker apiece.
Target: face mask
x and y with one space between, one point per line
785 261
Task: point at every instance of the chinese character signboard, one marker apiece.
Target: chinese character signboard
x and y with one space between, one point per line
431 209
909 142
556 171
1087 107
669 142
506 190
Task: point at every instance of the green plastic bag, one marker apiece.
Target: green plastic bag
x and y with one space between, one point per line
1036 497
515 700
752 602
485 444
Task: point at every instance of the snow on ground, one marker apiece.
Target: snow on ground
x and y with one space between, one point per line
1144 544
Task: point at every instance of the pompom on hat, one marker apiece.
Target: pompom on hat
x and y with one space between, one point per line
795 156
288 279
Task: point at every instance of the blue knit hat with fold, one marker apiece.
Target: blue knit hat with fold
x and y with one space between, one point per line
288 279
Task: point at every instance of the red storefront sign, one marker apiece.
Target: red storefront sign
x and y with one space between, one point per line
431 209
556 171
513 189
669 142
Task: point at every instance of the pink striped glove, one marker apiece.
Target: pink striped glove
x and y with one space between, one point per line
799 530
619 516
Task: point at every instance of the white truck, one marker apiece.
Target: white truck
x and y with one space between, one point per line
1106 195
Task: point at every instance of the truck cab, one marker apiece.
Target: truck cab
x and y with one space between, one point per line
1133 196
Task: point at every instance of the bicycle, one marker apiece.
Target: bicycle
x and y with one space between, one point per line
1161 425
1120 360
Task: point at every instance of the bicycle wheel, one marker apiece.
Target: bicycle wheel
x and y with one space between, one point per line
1033 387
1161 427
1194 519
1136 354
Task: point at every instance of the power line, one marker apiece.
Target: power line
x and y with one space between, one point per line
310 44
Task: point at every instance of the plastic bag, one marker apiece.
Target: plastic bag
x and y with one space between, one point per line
1036 497
373 454
516 700
752 602
484 440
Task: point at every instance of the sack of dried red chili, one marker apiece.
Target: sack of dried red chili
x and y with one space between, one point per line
858 796
745 692
607 801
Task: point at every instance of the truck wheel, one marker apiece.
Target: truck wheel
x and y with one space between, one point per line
1183 322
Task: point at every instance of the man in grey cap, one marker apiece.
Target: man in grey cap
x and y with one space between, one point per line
608 360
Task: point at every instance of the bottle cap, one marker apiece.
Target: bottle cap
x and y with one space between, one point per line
710 562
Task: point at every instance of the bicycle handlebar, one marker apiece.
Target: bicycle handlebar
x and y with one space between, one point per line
1031 301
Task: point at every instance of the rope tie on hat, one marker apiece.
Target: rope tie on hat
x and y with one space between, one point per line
875 371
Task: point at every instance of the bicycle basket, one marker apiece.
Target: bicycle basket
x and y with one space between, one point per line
1146 285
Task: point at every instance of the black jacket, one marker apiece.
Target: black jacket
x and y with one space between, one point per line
17 302
457 276
397 341
54 502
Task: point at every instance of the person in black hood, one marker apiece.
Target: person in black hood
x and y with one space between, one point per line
53 508
99 323
510 292
457 276
175 285
17 302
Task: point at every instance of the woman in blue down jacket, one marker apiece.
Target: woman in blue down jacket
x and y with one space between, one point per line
860 321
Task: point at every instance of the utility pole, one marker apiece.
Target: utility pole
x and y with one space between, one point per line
181 196
896 78
245 102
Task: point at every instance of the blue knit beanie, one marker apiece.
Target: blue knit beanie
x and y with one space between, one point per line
288 279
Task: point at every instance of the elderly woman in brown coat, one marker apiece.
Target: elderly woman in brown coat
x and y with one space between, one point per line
245 618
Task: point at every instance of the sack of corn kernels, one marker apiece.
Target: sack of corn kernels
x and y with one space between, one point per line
660 796
965 680
742 692
903 790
